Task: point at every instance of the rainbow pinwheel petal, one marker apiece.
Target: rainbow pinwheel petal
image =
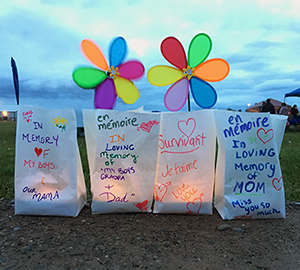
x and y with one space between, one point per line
88 78
173 51
105 95
110 81
132 70
93 54
163 75
173 98
117 51
192 72
199 49
213 70
126 90
203 93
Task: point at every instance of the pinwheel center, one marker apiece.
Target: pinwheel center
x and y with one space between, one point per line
188 72
112 72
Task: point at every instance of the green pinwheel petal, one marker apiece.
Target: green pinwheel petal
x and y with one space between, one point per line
88 78
199 49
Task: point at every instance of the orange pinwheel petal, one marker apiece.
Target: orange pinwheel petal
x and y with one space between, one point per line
212 70
94 54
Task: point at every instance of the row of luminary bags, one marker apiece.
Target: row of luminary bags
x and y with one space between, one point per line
150 162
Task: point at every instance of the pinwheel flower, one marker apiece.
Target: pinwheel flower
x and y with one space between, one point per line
190 71
109 82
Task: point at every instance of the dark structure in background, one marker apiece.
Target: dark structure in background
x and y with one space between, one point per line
15 78
257 106
295 93
8 116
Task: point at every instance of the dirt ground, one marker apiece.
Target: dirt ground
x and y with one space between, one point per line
147 241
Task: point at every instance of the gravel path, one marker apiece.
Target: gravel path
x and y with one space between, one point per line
147 241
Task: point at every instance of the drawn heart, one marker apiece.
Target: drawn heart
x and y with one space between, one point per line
277 183
146 127
265 136
160 191
142 205
187 127
38 151
194 206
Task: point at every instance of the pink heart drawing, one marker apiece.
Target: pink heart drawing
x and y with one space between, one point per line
277 183
160 191
265 136
187 127
142 205
195 206
38 151
146 127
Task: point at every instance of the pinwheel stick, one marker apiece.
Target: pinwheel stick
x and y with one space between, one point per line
189 104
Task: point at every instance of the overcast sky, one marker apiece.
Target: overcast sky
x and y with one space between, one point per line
259 39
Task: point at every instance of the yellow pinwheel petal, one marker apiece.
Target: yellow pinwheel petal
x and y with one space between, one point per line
163 75
213 70
94 54
126 90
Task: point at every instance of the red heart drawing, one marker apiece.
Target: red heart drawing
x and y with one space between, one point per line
146 127
187 127
38 151
142 206
277 184
265 136
195 206
160 191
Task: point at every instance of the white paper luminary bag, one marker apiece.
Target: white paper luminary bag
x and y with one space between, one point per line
186 160
122 154
249 181
48 172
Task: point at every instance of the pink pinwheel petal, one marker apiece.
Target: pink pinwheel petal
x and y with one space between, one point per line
177 94
105 95
131 70
173 51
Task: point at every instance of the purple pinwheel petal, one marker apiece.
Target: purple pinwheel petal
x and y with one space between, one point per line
105 95
177 94
203 93
117 51
131 70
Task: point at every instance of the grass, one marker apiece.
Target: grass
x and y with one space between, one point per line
289 161
85 165
7 158
290 165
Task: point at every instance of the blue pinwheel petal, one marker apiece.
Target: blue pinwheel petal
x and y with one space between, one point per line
117 51
203 93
